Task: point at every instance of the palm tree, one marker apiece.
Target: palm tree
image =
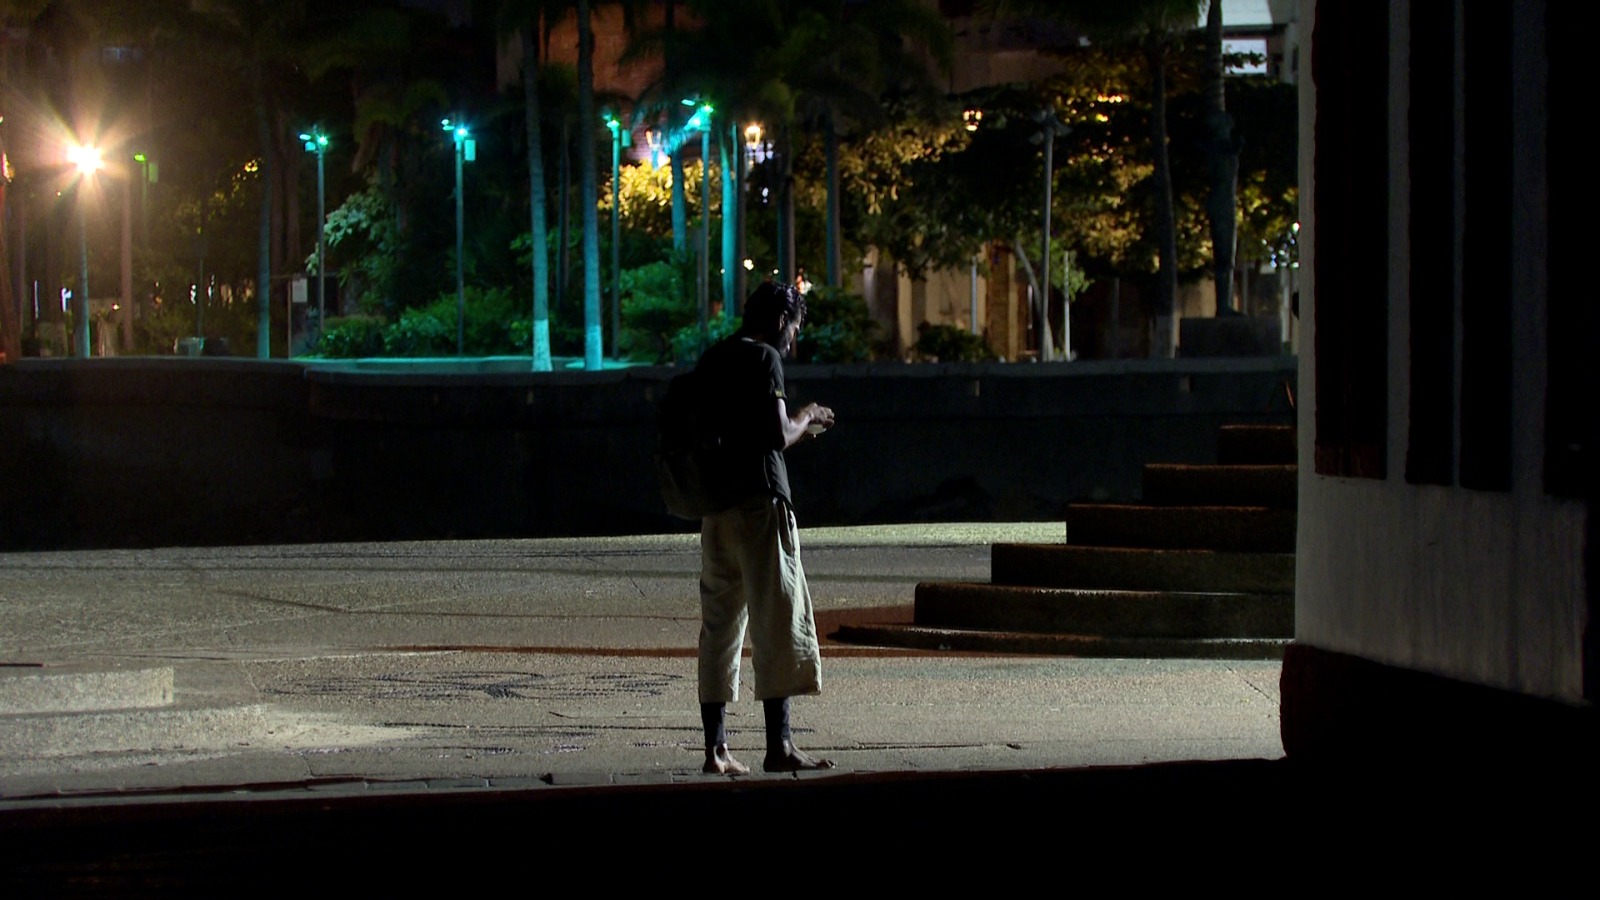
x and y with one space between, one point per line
805 65
262 39
588 191
527 20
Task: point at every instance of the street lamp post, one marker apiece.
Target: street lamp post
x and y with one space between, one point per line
702 120
466 150
752 146
87 160
317 142
705 212
617 135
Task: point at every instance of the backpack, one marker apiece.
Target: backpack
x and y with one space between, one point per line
690 457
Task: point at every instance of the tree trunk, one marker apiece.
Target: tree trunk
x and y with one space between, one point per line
264 234
10 321
564 215
1222 164
536 200
592 339
729 150
680 203
834 266
1039 308
785 209
1165 340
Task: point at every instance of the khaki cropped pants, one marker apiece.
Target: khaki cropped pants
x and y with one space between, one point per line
750 574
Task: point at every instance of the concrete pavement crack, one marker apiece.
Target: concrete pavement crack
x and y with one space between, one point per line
1251 684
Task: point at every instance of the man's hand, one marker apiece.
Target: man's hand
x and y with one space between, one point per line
806 423
817 418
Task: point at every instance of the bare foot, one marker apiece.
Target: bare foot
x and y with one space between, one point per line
792 759
720 762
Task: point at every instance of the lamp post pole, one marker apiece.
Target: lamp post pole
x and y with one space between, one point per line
317 142
463 148
616 230
82 299
752 140
705 214
88 161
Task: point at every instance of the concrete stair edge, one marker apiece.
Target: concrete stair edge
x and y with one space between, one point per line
1152 614
1182 484
919 637
1257 444
1125 568
1244 529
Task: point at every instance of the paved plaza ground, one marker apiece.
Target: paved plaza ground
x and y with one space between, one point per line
560 662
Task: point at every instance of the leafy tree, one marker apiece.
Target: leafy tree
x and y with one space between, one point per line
366 235
1152 25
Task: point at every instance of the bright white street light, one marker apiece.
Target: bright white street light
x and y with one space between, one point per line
86 158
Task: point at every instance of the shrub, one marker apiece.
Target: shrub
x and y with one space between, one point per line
351 337
690 342
947 343
838 328
655 307
421 332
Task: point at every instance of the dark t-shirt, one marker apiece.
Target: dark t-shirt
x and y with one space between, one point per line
743 377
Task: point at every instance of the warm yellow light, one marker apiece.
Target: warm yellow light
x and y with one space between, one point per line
86 158
752 134
972 118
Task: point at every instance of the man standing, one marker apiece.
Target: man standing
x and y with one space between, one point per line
750 570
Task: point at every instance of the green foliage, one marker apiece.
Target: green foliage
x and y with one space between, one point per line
351 337
838 328
366 236
690 341
494 326
163 324
656 306
646 197
905 190
421 332
947 343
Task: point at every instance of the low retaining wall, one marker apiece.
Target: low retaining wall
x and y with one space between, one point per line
138 452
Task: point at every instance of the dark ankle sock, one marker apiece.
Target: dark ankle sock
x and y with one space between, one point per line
713 720
777 712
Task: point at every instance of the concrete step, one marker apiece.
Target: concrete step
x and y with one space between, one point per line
1110 613
920 637
1120 568
1171 484
1256 445
1238 529
85 687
